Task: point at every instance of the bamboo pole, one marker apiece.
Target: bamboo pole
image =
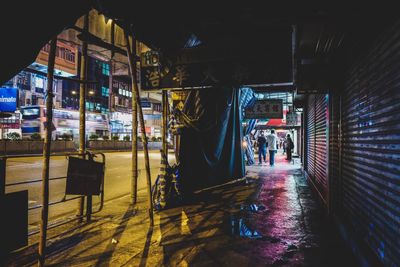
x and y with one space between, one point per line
135 94
82 107
164 153
165 123
134 142
46 153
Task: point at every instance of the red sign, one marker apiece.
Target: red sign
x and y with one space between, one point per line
9 125
278 122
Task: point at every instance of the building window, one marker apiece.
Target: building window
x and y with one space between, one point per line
104 91
105 69
90 106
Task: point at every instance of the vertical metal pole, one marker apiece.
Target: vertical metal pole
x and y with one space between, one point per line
134 140
88 208
294 55
46 153
132 67
82 107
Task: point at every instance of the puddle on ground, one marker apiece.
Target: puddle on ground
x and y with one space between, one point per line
253 208
240 228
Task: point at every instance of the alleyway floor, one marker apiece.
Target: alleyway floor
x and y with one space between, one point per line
271 218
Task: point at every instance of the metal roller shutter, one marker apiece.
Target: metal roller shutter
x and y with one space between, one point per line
317 143
321 145
310 130
335 186
371 148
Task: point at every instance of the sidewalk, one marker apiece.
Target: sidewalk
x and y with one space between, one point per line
269 219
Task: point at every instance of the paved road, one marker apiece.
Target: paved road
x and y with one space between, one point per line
117 180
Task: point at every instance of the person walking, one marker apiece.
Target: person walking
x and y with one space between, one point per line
289 147
271 140
283 146
262 148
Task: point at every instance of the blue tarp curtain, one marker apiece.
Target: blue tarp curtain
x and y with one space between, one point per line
247 99
211 141
249 153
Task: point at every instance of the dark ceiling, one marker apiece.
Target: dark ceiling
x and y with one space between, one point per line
325 34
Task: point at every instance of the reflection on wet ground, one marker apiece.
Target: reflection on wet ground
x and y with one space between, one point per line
240 228
272 219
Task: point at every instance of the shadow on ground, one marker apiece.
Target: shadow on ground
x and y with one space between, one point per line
269 219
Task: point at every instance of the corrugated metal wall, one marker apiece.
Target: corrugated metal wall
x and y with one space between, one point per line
358 133
335 185
310 135
317 131
371 148
321 144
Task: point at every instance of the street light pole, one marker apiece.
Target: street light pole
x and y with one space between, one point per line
46 153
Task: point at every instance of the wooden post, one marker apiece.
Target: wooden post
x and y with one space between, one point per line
46 153
135 94
82 107
134 140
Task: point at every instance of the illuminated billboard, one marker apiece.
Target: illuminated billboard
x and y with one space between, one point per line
8 99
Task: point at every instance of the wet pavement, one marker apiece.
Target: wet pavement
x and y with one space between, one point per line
271 218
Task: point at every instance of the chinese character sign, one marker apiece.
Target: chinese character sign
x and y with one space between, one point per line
181 75
292 119
150 70
265 109
190 70
150 59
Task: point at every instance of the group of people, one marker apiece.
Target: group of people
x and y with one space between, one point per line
271 143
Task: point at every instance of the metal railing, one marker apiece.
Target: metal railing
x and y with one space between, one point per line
4 185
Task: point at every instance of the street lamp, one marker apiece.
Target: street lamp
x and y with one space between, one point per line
91 92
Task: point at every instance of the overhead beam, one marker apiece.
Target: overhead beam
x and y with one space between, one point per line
94 40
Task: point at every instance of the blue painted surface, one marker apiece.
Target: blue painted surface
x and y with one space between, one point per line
8 99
